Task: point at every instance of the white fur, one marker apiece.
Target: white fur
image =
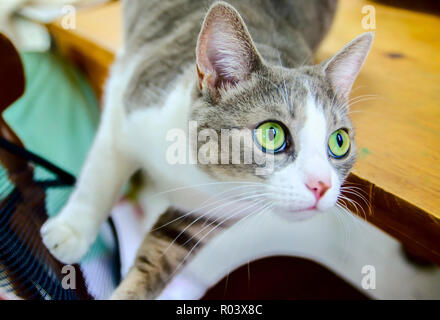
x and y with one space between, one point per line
125 143
109 164
293 197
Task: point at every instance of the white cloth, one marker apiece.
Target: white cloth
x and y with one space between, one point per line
23 20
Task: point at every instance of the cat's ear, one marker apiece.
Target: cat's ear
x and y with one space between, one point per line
225 51
343 68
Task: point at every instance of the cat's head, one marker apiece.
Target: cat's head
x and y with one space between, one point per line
293 122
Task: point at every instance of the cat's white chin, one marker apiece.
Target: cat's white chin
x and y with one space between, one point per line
297 215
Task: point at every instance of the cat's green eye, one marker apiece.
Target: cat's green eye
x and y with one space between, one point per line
270 136
339 143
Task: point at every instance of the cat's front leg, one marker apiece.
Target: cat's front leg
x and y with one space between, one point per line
173 241
69 234
154 263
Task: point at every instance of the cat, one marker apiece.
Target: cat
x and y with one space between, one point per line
245 66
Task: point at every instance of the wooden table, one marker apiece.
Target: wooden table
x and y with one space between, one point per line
398 130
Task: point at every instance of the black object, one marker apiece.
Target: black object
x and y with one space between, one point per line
26 267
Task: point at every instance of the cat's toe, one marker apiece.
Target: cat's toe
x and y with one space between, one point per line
63 241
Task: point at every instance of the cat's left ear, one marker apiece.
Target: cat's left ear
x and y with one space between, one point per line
225 51
343 68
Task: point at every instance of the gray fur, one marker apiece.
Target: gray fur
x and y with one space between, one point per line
284 35
164 33
157 261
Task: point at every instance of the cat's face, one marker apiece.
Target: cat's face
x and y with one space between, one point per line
290 127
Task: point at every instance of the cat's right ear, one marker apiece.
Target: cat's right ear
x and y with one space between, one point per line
225 52
343 68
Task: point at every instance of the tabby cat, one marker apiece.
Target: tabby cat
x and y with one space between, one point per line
191 78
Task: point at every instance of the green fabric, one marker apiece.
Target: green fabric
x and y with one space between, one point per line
58 115
56 119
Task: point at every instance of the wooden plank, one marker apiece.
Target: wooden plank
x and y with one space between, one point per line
93 42
398 128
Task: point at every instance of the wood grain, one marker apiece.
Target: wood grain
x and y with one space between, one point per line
93 42
398 130
397 126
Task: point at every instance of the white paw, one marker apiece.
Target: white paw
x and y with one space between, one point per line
65 240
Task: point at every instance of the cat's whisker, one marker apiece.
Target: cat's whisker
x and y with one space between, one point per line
356 111
215 227
341 205
353 188
204 236
355 205
362 100
248 263
357 99
206 185
248 227
346 228
226 219
349 183
344 212
357 192
255 228
357 88
203 206
363 96
351 102
351 201
209 212
361 109
258 201
265 197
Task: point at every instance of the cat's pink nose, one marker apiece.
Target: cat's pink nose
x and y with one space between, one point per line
318 186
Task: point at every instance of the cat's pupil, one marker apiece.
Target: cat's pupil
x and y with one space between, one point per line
339 140
272 134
